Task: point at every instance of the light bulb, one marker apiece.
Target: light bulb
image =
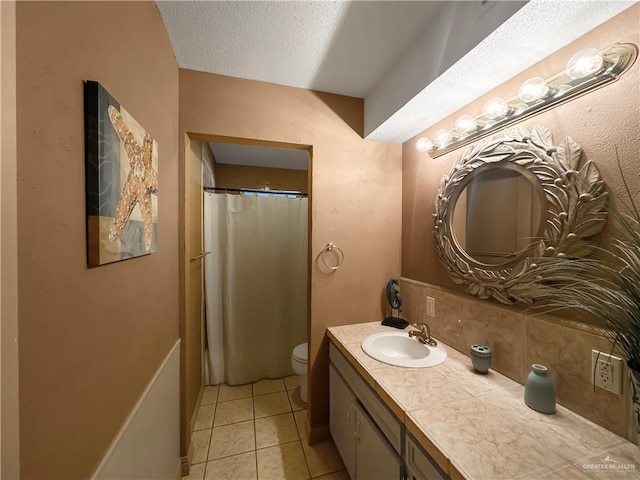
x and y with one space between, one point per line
465 124
533 89
584 63
424 144
442 137
495 108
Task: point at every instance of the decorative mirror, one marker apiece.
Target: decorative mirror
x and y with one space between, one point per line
508 202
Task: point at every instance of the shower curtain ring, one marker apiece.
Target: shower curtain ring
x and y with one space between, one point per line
340 256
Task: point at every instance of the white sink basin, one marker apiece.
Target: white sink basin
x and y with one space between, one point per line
399 349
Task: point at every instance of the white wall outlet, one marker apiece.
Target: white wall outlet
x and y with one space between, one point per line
431 307
606 371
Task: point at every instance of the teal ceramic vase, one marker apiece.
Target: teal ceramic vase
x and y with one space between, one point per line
481 358
634 375
539 393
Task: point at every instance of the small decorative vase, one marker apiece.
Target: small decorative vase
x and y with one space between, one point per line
634 375
539 393
481 358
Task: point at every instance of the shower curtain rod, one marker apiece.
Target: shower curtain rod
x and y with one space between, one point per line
254 190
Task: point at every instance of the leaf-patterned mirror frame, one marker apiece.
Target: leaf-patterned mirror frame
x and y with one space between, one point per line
576 209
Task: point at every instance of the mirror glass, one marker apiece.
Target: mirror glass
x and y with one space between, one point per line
497 216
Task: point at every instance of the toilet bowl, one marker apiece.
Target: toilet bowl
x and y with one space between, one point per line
299 359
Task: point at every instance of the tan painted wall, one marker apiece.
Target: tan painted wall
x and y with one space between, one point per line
601 122
241 176
9 433
90 340
355 194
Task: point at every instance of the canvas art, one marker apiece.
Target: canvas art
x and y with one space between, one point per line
121 181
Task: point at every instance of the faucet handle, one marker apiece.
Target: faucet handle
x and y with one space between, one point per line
421 326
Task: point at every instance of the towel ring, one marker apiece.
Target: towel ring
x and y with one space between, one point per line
329 248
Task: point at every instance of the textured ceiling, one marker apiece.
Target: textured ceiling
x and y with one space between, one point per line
414 63
336 47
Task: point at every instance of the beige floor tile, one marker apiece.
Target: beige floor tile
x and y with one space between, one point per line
283 462
232 440
296 402
210 395
200 445
268 386
196 472
271 404
237 467
341 475
205 417
275 430
291 382
233 411
236 392
302 423
322 458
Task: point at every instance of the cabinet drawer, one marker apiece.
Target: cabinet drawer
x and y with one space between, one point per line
381 415
420 466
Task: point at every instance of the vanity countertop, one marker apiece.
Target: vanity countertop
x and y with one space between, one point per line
478 427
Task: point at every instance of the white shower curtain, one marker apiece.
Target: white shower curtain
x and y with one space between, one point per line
255 285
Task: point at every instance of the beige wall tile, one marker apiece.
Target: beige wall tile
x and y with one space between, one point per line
518 340
566 352
284 462
276 430
233 411
237 467
232 440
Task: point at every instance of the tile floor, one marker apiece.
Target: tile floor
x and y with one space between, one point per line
258 432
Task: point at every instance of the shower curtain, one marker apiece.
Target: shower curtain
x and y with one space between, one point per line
255 285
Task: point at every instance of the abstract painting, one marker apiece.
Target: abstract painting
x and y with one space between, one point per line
121 168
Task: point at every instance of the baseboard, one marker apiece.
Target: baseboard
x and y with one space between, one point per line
184 466
319 434
147 444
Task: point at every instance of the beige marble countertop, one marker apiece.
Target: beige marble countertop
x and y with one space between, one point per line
478 427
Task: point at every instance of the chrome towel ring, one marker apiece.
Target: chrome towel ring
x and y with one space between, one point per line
339 254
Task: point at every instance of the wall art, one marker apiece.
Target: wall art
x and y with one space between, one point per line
121 165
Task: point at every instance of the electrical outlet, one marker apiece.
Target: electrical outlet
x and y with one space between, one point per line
431 307
606 371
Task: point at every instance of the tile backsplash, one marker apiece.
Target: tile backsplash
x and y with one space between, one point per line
518 340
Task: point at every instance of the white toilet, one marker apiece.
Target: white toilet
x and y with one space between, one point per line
299 359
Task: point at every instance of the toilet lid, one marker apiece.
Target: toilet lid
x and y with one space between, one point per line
301 352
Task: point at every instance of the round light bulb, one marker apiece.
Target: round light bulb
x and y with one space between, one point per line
424 144
533 89
465 124
442 137
495 108
584 63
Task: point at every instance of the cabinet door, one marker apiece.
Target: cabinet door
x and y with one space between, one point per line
375 457
342 419
420 466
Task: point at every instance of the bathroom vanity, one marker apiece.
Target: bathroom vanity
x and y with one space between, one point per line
449 422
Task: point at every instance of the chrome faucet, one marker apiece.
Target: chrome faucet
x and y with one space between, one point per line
423 334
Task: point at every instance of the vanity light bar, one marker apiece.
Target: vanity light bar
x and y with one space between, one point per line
586 71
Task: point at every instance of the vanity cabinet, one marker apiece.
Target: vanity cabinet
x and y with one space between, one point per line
419 464
365 451
372 441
